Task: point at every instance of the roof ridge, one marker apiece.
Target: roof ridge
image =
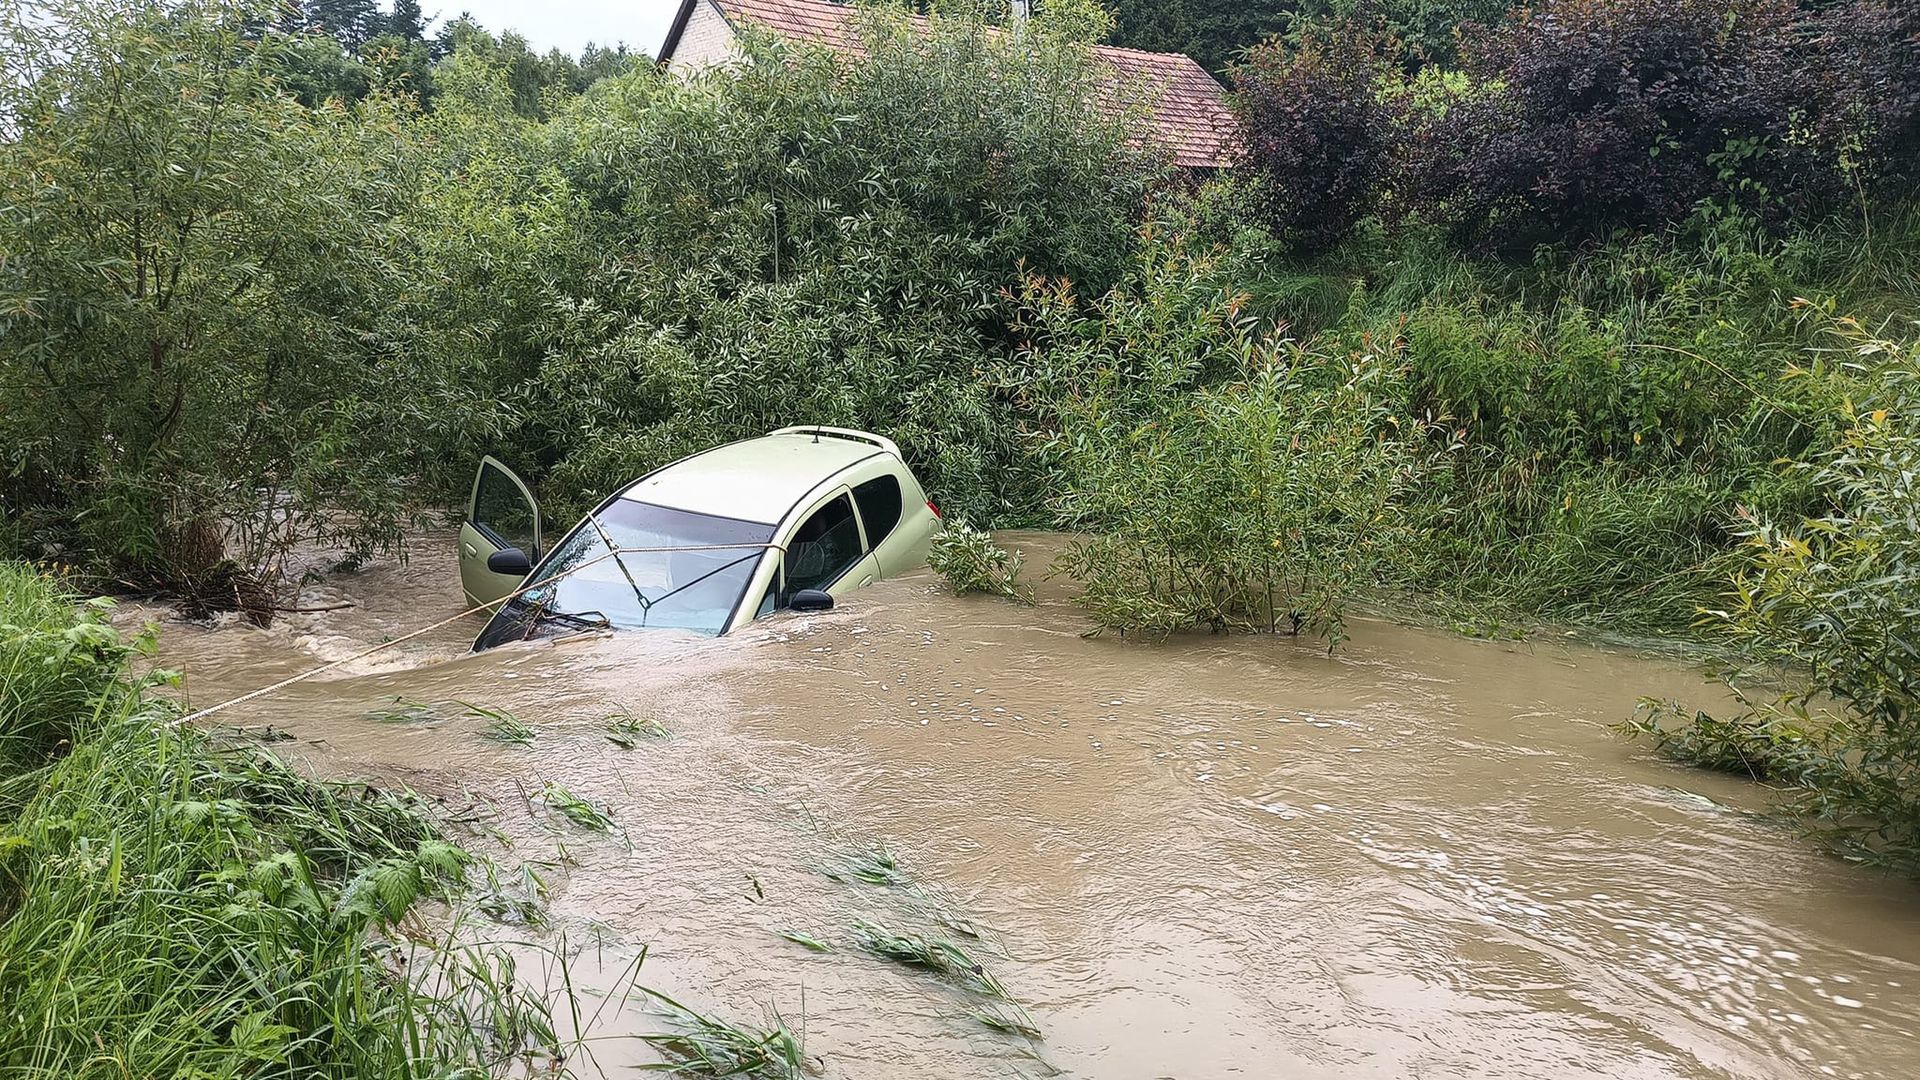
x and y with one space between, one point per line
1101 46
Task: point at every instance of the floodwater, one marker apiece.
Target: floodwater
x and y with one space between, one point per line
1209 857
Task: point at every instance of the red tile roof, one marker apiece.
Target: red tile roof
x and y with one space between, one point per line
1188 108
1191 118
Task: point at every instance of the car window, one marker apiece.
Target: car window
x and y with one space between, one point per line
674 568
499 508
825 546
879 502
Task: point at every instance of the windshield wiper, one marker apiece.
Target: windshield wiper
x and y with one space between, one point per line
722 568
598 621
613 549
589 620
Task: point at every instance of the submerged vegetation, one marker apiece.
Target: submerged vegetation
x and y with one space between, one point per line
502 726
582 812
701 1045
938 955
972 563
1833 602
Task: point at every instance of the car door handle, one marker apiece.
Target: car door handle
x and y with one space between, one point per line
866 581
470 550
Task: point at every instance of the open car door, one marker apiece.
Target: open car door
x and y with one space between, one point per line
501 517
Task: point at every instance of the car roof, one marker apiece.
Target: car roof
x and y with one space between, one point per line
751 480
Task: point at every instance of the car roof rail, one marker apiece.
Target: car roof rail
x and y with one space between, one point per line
817 430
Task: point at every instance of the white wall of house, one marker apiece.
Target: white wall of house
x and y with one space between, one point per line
706 41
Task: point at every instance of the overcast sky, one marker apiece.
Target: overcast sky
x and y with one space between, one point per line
569 24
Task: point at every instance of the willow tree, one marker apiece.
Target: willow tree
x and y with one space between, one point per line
203 309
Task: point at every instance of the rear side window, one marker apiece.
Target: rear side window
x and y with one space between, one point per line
879 501
499 508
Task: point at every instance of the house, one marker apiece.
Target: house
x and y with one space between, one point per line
1187 109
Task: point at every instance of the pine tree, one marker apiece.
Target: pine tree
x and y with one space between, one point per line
351 22
408 21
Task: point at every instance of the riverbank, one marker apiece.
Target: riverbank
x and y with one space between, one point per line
172 904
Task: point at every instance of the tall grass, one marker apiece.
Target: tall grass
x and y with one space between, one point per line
169 907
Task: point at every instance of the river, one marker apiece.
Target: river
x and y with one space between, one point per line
1423 856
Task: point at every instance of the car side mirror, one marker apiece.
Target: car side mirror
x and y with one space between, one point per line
811 600
510 561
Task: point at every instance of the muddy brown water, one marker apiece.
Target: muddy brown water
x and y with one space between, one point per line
1208 857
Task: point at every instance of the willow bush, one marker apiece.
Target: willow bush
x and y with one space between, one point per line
812 234
1835 600
205 334
971 562
1224 476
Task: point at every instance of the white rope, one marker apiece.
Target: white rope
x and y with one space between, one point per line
476 609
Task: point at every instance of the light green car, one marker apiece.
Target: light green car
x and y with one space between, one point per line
709 543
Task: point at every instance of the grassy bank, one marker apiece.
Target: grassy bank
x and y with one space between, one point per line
173 907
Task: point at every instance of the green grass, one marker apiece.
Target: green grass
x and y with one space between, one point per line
938 955
625 730
808 941
869 866
1009 1019
175 907
580 811
704 1046
502 726
406 711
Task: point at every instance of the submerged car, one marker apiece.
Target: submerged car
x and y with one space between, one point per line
789 520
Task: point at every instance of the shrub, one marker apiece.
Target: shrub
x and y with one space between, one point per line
1320 134
1596 114
971 562
1864 57
813 235
1836 599
1226 478
59 662
206 325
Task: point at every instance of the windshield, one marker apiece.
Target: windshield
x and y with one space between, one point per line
688 589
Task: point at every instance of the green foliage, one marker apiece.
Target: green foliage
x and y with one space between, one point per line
1218 32
814 235
407 21
1226 477
204 327
625 729
502 726
171 908
702 1045
1596 423
581 812
1214 32
971 562
58 663
1754 745
937 955
1836 598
